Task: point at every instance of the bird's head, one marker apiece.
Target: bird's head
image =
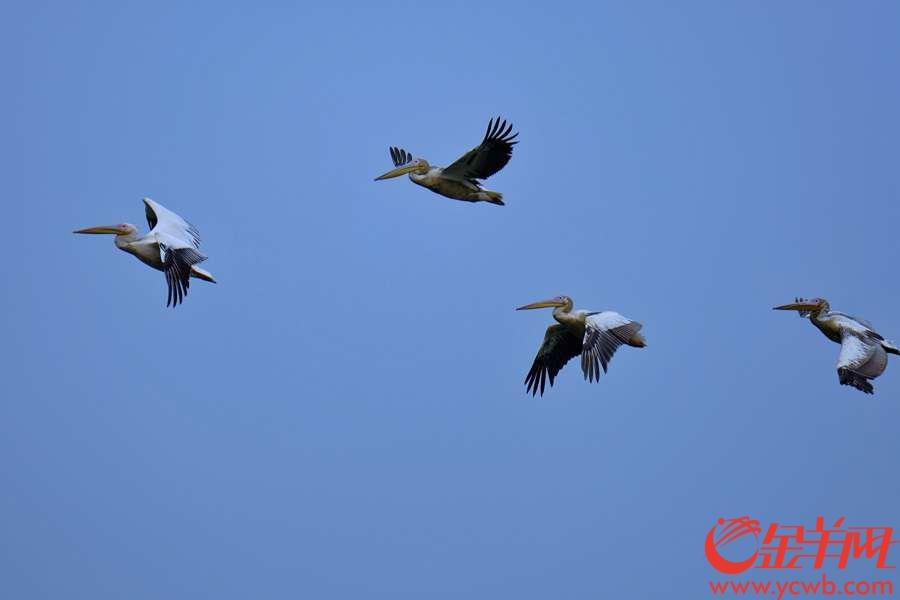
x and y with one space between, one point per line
556 302
404 163
120 229
806 307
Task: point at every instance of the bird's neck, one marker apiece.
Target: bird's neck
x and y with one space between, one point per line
819 316
123 242
420 176
563 314
827 325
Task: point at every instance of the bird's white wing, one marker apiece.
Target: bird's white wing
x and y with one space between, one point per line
861 358
854 325
166 224
853 322
604 332
865 356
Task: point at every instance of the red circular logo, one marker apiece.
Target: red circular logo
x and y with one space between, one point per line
725 532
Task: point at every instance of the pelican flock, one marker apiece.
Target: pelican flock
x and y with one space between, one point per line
864 351
172 246
460 180
594 335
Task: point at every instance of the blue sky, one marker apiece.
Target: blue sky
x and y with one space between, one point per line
344 414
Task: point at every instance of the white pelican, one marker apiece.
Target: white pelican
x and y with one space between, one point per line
594 335
460 180
171 246
863 353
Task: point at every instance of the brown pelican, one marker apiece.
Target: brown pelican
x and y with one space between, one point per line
593 335
171 246
460 180
863 353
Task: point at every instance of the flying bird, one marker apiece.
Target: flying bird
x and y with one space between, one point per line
863 354
460 180
594 335
172 246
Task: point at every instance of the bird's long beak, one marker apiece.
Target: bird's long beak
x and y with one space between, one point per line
397 172
113 229
804 305
541 304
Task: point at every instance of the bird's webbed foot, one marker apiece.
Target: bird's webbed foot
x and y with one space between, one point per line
848 377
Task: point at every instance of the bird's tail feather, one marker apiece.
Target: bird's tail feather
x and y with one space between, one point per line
890 347
201 274
493 197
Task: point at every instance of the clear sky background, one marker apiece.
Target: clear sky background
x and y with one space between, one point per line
344 415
